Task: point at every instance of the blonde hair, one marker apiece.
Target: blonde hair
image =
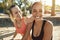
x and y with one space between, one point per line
37 3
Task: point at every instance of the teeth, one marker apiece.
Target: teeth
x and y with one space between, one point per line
37 17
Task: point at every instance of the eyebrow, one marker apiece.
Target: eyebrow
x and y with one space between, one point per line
35 9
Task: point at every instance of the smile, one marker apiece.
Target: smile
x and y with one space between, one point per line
37 17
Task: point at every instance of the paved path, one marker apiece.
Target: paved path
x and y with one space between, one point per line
56 33
7 33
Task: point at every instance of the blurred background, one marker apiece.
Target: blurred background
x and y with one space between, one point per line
51 11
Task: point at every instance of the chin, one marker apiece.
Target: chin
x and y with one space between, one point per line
18 19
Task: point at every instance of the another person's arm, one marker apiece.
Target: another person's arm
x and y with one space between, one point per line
25 37
48 29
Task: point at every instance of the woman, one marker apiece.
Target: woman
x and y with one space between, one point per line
41 29
18 20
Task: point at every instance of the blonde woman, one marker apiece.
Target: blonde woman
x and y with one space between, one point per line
18 20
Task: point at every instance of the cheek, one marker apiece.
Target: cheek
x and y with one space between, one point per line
14 15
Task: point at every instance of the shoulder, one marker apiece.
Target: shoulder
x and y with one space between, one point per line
48 22
48 29
22 19
48 25
25 19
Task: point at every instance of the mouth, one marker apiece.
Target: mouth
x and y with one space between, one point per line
37 17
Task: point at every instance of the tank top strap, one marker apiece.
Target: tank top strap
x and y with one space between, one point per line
44 21
42 29
33 27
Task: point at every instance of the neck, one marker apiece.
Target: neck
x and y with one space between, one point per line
18 20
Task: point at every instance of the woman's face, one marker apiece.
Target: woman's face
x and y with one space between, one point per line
37 11
16 12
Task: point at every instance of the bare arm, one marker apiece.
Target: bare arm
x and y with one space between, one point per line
25 37
48 31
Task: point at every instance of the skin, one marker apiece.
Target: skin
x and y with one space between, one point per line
37 12
16 17
16 12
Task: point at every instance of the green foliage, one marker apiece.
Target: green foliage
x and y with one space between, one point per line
27 5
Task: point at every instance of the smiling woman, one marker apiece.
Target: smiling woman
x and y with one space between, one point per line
41 28
18 20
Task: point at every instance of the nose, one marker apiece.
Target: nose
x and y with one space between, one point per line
37 13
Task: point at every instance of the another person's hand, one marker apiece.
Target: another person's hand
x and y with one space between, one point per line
31 19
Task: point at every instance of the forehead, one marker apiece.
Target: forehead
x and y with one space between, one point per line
37 6
16 8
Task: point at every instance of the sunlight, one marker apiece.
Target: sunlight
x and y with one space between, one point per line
47 2
57 2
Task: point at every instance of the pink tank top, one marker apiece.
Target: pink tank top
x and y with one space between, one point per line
22 29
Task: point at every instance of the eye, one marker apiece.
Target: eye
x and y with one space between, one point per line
16 12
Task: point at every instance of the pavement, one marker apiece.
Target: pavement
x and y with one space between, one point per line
6 33
56 33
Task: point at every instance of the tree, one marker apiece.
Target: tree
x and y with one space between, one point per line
53 8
